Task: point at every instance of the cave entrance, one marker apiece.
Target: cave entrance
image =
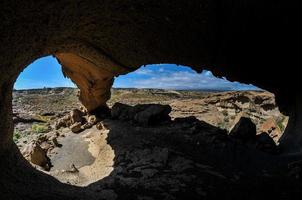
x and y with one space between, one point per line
214 100
53 132
46 108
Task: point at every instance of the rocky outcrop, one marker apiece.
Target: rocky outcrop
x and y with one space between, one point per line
245 132
271 127
93 80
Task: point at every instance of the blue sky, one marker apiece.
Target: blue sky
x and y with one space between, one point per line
46 72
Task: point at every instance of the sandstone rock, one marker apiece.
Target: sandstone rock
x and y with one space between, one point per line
38 156
76 127
244 130
76 116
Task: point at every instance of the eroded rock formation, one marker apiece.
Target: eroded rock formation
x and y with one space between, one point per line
94 79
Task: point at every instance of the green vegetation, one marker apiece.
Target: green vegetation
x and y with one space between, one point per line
222 125
43 118
280 123
39 128
17 135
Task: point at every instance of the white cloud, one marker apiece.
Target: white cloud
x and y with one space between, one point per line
143 71
161 69
186 80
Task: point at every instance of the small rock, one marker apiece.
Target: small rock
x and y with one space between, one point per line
86 126
73 169
76 127
84 110
92 119
99 126
55 142
45 146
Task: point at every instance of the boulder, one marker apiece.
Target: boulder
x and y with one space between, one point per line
76 116
38 156
101 112
76 127
142 114
152 114
122 112
244 130
265 143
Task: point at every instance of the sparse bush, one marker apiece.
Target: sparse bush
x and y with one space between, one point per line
222 125
43 118
280 123
39 128
17 135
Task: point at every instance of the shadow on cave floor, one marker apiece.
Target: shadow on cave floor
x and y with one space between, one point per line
189 160
184 159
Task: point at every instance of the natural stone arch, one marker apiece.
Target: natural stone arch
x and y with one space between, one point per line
91 71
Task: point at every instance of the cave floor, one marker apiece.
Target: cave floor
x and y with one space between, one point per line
168 161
